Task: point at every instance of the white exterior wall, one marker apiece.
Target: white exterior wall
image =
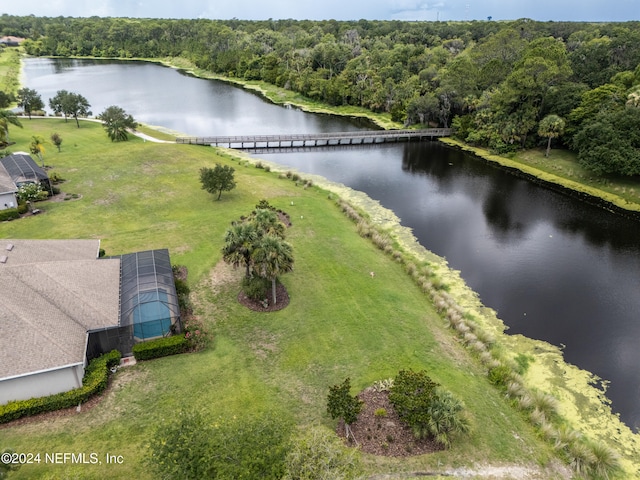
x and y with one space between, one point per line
8 200
41 384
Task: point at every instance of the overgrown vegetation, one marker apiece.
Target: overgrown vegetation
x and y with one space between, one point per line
196 446
340 321
494 81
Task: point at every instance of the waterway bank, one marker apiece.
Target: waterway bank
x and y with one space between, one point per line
587 193
581 395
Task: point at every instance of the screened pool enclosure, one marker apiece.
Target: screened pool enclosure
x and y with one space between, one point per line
148 304
148 299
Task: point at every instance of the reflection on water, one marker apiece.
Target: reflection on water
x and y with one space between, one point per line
554 268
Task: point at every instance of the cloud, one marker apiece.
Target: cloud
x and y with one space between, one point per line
566 10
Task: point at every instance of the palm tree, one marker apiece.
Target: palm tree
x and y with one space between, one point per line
551 126
268 223
37 147
446 417
7 117
239 244
272 257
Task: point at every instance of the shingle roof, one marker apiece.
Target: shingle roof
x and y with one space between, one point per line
6 184
53 291
21 167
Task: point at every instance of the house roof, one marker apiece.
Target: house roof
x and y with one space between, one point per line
6 184
21 167
53 292
11 40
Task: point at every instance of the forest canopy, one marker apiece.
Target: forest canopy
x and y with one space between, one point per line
493 81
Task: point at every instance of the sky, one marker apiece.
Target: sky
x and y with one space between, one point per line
542 10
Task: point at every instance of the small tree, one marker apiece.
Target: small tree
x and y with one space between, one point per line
56 139
70 104
37 147
218 179
29 100
239 243
551 126
272 256
340 404
116 122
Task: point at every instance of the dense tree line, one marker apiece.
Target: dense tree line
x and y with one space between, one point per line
494 81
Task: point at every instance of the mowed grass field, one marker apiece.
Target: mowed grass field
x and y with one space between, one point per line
341 322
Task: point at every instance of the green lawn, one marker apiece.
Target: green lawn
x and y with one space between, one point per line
9 70
341 322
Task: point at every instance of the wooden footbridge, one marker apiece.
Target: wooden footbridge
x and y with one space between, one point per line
250 142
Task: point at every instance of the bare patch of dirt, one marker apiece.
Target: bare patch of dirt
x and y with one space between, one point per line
263 344
384 434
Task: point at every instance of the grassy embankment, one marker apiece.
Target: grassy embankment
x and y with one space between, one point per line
562 168
130 215
341 322
9 70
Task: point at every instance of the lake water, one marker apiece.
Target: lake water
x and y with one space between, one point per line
554 268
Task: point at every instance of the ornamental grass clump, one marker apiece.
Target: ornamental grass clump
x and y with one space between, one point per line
545 403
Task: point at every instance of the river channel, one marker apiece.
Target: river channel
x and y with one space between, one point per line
554 268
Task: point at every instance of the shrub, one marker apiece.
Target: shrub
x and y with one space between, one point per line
319 454
54 177
256 288
195 334
96 379
500 375
411 396
446 417
380 412
160 347
340 404
29 192
23 208
182 291
9 214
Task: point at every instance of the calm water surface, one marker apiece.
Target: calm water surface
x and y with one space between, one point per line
554 268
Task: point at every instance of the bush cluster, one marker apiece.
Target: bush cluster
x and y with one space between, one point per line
195 334
161 347
9 214
256 288
95 380
430 411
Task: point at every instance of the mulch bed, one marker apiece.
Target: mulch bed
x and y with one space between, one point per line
282 300
384 435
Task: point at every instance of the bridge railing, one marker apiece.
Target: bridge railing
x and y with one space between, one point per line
301 137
